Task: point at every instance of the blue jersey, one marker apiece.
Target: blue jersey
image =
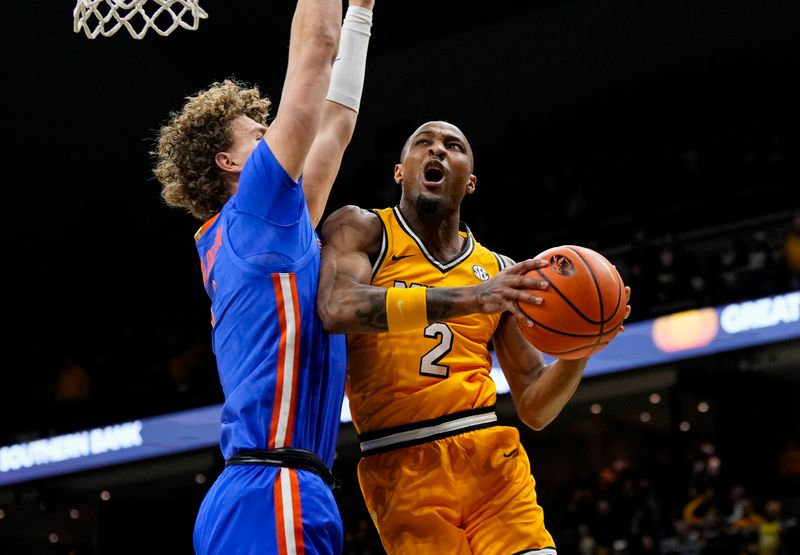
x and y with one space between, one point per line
282 374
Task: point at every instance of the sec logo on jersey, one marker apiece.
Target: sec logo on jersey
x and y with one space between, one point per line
480 273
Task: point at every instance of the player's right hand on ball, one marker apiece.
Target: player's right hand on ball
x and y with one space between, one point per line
627 308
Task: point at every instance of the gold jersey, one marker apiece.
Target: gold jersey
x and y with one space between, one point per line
396 379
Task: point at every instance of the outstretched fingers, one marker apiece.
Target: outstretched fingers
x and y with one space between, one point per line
517 284
524 283
627 308
526 266
523 296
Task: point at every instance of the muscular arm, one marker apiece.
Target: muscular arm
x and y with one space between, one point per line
335 131
540 391
346 303
312 47
325 158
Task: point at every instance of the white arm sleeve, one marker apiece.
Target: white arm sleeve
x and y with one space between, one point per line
347 77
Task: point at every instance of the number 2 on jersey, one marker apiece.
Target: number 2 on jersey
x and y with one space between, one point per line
429 364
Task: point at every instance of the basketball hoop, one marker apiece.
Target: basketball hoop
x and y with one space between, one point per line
106 17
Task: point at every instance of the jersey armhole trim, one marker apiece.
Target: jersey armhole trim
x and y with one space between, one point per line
384 246
503 261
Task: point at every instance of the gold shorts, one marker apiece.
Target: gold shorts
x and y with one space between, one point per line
465 494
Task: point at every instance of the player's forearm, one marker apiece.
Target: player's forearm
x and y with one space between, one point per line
443 303
340 112
347 79
325 157
358 308
368 4
546 395
353 309
312 47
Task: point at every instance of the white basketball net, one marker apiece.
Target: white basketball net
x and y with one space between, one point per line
106 17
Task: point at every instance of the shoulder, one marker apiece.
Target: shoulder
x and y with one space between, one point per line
353 224
351 216
351 211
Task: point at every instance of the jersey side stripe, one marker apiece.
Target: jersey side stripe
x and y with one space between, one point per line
297 513
295 350
289 525
276 404
280 514
287 356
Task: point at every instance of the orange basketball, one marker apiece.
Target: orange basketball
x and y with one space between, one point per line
584 303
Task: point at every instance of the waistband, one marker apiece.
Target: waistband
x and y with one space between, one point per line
380 441
287 458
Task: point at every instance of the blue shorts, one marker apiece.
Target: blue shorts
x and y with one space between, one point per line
260 510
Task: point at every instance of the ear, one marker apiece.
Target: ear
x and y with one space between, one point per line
471 182
398 174
224 162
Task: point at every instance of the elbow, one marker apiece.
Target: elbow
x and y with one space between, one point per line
536 425
330 318
329 41
317 49
535 421
325 38
315 31
344 126
338 126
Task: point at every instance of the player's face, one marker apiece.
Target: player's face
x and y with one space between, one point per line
436 165
246 135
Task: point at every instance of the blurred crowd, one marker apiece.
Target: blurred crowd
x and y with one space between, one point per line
692 510
654 507
752 261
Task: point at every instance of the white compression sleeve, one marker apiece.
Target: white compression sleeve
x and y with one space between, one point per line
347 77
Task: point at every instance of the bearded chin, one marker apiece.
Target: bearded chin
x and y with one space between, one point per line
427 206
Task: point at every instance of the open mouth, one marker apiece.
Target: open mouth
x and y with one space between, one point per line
433 173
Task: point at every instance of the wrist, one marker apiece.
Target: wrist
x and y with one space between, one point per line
367 4
475 299
406 308
347 77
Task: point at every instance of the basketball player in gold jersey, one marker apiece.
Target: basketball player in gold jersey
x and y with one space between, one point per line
438 475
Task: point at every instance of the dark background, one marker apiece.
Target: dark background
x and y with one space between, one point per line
595 123
629 126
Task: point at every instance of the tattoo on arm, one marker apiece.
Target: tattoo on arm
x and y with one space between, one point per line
441 303
375 316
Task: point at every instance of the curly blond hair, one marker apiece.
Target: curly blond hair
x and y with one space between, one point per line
188 143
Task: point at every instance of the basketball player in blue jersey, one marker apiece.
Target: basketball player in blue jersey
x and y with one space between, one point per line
261 191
